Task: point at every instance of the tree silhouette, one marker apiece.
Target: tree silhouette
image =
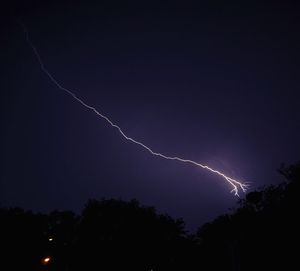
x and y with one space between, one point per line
261 234
115 234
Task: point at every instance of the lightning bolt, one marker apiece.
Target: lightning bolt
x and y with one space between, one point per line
235 184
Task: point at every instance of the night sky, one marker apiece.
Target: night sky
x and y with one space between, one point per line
216 82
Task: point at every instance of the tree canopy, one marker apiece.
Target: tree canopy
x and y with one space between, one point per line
109 234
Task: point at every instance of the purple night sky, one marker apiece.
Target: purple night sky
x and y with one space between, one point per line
217 83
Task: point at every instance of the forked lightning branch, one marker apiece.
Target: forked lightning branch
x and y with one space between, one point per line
236 185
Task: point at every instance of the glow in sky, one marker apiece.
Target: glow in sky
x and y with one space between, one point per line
236 185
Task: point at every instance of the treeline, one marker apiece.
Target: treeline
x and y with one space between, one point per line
261 234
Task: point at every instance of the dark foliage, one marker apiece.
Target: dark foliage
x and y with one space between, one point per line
108 235
261 234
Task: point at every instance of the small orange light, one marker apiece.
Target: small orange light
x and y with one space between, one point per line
46 260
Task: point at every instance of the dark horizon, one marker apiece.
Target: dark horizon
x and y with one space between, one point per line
115 234
217 83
